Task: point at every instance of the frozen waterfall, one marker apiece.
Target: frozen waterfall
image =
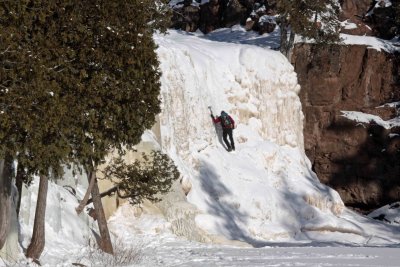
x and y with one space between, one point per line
266 189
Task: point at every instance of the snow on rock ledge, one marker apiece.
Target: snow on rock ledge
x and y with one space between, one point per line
369 118
266 189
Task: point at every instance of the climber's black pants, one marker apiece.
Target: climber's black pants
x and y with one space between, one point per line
225 133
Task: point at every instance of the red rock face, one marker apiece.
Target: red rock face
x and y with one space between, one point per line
362 162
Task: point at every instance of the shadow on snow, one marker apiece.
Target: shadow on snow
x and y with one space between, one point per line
219 205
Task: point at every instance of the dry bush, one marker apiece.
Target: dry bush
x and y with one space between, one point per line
11 263
124 255
21 262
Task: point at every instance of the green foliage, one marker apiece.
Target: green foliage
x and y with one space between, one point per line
34 116
77 78
144 179
314 19
114 70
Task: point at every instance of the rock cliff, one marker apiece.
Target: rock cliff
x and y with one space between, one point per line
361 161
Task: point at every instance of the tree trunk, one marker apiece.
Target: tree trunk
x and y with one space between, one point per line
290 46
5 197
36 246
85 199
284 39
106 244
109 192
19 179
286 42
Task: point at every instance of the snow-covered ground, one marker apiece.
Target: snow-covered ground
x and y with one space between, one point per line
163 249
275 255
258 206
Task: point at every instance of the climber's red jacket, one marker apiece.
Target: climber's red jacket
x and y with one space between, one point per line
224 125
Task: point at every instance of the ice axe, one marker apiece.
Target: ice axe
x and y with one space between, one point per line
209 107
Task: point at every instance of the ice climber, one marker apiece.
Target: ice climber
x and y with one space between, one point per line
228 124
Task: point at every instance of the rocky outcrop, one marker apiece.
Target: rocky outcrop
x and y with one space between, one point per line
190 15
210 16
360 161
380 22
259 15
186 17
350 8
352 12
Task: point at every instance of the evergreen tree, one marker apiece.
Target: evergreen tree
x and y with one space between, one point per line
118 82
143 179
313 19
78 78
33 119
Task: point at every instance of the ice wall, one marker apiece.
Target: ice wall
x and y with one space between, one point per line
256 85
264 190
11 251
64 228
